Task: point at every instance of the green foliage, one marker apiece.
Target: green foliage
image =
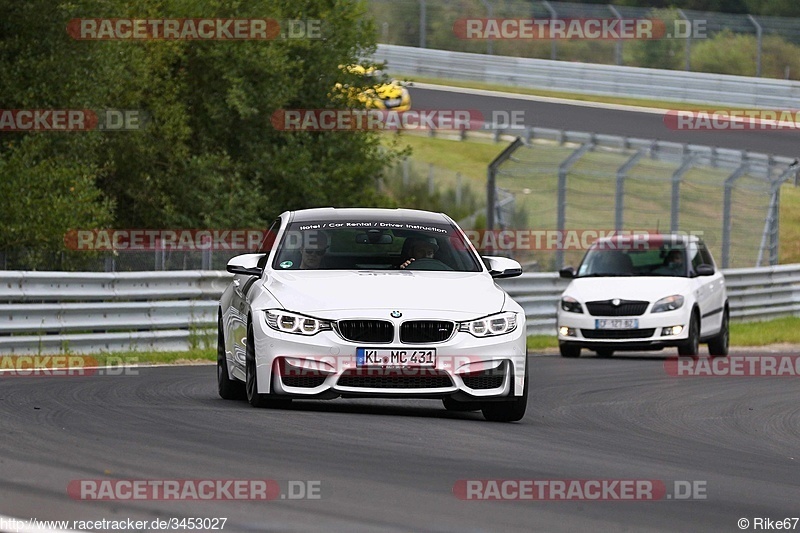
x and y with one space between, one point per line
730 53
664 53
208 155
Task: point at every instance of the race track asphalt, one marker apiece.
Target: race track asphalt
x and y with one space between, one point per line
391 465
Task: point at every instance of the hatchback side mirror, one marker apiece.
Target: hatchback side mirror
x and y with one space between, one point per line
704 270
567 272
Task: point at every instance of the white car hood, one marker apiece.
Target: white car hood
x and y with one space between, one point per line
649 288
473 293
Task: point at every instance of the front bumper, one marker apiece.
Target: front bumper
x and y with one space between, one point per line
324 366
649 335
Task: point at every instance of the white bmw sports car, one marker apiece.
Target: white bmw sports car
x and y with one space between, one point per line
364 303
644 292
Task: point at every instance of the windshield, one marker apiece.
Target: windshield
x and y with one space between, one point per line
661 261
374 245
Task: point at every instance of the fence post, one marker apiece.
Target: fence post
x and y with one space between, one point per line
458 189
491 179
430 179
772 220
726 211
423 22
619 200
489 14
561 216
688 59
618 44
553 16
759 35
675 206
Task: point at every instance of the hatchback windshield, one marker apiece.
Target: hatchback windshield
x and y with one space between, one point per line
666 260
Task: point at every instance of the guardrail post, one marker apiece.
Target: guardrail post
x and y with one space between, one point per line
619 199
561 217
675 206
726 212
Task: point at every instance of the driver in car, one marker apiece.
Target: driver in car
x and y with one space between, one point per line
420 249
314 250
673 264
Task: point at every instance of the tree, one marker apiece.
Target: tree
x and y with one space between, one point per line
208 155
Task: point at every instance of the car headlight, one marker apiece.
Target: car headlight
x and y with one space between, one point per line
287 322
491 325
670 303
571 305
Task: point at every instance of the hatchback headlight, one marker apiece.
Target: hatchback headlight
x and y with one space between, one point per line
491 325
670 303
571 305
287 322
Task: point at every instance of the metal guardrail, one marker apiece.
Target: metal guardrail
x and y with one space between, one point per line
585 78
55 312
86 312
753 293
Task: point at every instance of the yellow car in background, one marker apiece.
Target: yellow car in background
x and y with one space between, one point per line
392 95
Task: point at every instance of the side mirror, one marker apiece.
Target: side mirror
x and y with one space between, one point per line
246 264
704 270
502 267
567 272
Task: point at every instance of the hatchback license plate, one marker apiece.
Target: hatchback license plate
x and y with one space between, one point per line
616 323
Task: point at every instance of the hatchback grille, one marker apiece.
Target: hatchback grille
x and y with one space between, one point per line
625 308
380 378
618 333
426 331
366 330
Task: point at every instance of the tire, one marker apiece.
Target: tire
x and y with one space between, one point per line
692 345
605 352
229 389
462 407
255 398
569 350
508 411
718 345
